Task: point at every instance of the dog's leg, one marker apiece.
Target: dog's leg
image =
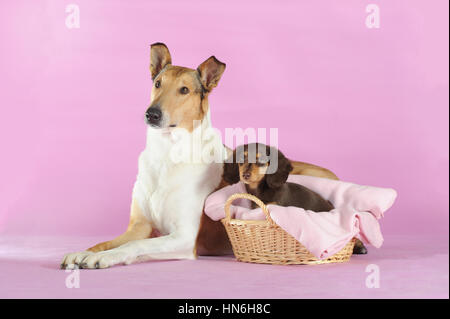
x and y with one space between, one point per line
301 168
139 227
181 223
178 245
212 239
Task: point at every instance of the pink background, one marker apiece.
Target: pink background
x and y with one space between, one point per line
370 104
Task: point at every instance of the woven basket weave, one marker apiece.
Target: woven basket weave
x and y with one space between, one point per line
263 241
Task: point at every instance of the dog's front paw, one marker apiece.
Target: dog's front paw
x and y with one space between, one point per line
73 260
104 259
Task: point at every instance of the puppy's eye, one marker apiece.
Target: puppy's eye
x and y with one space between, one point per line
157 84
259 164
184 90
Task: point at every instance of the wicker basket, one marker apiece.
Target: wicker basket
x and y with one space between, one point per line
263 241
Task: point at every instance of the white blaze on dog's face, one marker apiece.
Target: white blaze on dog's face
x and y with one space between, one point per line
180 95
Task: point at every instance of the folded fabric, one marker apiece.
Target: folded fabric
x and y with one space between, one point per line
356 213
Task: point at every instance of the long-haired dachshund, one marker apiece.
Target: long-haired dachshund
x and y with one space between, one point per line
264 170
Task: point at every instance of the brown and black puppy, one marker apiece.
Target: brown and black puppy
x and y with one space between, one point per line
264 170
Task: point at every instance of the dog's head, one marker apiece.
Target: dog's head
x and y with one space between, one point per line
253 163
179 95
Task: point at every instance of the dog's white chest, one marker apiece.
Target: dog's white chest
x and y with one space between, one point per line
169 192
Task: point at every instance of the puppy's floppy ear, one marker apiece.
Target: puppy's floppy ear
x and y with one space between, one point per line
231 170
210 73
159 58
281 175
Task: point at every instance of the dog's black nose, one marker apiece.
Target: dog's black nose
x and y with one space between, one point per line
246 175
153 115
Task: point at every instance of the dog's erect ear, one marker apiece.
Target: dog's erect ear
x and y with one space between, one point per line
231 170
281 175
159 58
210 72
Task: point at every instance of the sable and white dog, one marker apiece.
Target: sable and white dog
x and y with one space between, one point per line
171 184
180 166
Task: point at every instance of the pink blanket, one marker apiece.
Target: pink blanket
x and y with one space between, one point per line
356 213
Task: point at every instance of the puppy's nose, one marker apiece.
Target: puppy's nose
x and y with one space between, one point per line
153 115
246 175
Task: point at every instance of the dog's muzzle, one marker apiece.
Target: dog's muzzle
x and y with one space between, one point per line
154 115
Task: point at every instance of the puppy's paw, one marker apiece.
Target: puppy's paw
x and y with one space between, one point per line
73 260
359 248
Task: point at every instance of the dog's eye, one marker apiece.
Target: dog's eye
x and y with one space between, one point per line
157 84
184 90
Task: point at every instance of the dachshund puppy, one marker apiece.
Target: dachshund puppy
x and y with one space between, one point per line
264 170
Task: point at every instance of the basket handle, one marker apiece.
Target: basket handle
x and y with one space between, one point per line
250 197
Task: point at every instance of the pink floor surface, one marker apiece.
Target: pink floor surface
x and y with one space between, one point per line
409 267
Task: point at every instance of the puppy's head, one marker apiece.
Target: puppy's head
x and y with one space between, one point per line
179 94
253 162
